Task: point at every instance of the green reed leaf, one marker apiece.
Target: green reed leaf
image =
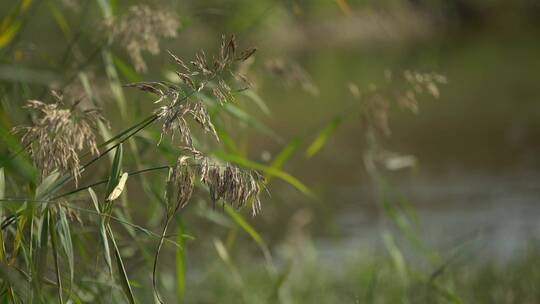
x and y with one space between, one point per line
8 33
242 223
67 244
249 120
257 100
41 249
223 254
283 156
116 168
54 243
18 236
60 19
180 263
125 69
124 280
2 183
102 231
396 255
323 136
46 185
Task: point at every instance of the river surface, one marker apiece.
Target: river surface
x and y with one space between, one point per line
496 216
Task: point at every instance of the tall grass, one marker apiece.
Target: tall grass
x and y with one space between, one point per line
40 224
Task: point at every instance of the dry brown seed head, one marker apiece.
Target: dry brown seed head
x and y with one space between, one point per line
245 55
292 74
180 184
197 79
140 29
58 134
201 116
231 184
353 88
231 48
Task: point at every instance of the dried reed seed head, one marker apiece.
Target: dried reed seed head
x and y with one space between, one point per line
292 74
378 109
201 116
405 94
173 113
354 90
408 101
174 120
226 183
59 133
200 72
149 87
140 29
231 184
246 54
196 154
424 82
222 92
72 214
177 110
180 184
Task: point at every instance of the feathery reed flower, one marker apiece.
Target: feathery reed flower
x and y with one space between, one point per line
180 184
377 101
291 74
201 71
417 84
404 91
232 185
225 182
140 30
200 76
59 134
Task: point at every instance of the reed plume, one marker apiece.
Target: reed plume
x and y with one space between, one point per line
140 30
60 132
